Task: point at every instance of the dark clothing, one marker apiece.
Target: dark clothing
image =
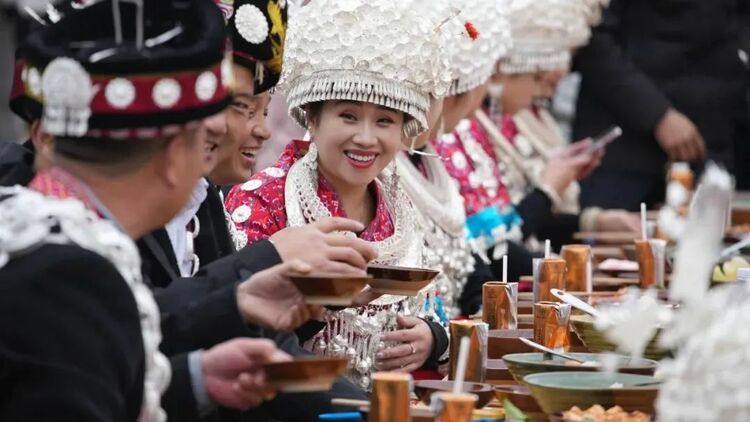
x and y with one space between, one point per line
201 311
16 163
213 241
471 296
632 188
538 219
519 262
650 55
71 344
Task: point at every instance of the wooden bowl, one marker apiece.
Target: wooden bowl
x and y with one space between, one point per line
596 342
502 342
424 390
400 281
521 397
329 289
559 391
522 364
305 374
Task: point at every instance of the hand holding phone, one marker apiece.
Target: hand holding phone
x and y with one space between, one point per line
605 139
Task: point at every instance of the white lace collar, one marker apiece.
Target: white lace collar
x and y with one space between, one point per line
27 221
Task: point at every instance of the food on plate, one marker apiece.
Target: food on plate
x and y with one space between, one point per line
727 271
596 413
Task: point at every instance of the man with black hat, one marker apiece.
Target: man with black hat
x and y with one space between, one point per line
200 240
130 127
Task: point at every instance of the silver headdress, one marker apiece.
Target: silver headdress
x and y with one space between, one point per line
474 60
544 33
376 51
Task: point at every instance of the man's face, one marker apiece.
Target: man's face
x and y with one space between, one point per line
216 130
246 131
187 164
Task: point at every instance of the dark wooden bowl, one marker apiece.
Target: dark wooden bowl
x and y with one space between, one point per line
329 289
402 281
521 397
424 390
305 374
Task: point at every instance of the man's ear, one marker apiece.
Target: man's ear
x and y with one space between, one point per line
44 146
166 162
42 140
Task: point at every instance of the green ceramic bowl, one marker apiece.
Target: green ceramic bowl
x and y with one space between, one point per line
522 364
559 391
596 342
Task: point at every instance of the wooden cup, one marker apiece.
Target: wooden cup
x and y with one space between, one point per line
500 305
389 400
451 407
549 274
578 268
645 257
477 332
551 321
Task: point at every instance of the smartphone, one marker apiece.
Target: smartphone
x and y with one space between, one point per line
605 138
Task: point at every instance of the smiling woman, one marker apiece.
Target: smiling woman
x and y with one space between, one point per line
355 142
358 107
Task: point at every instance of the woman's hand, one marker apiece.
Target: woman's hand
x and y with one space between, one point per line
573 162
416 338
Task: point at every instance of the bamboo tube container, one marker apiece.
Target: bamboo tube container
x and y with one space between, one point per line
453 407
500 305
477 332
389 400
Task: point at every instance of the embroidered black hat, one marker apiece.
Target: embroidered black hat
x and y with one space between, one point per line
257 29
128 69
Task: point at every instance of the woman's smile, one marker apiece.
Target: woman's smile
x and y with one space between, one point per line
360 159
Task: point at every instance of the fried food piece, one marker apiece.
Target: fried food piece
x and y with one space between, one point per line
597 413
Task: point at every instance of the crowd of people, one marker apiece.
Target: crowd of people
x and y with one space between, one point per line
145 259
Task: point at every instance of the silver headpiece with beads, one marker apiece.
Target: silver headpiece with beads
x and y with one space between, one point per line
375 51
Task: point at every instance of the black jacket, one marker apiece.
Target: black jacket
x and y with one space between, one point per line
70 342
649 55
16 163
201 311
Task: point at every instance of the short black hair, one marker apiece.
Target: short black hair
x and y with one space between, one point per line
114 156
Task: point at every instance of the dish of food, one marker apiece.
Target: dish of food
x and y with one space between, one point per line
727 271
596 413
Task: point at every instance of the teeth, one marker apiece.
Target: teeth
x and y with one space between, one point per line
361 158
248 152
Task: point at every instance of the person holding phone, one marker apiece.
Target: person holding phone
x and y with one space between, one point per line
671 74
541 170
